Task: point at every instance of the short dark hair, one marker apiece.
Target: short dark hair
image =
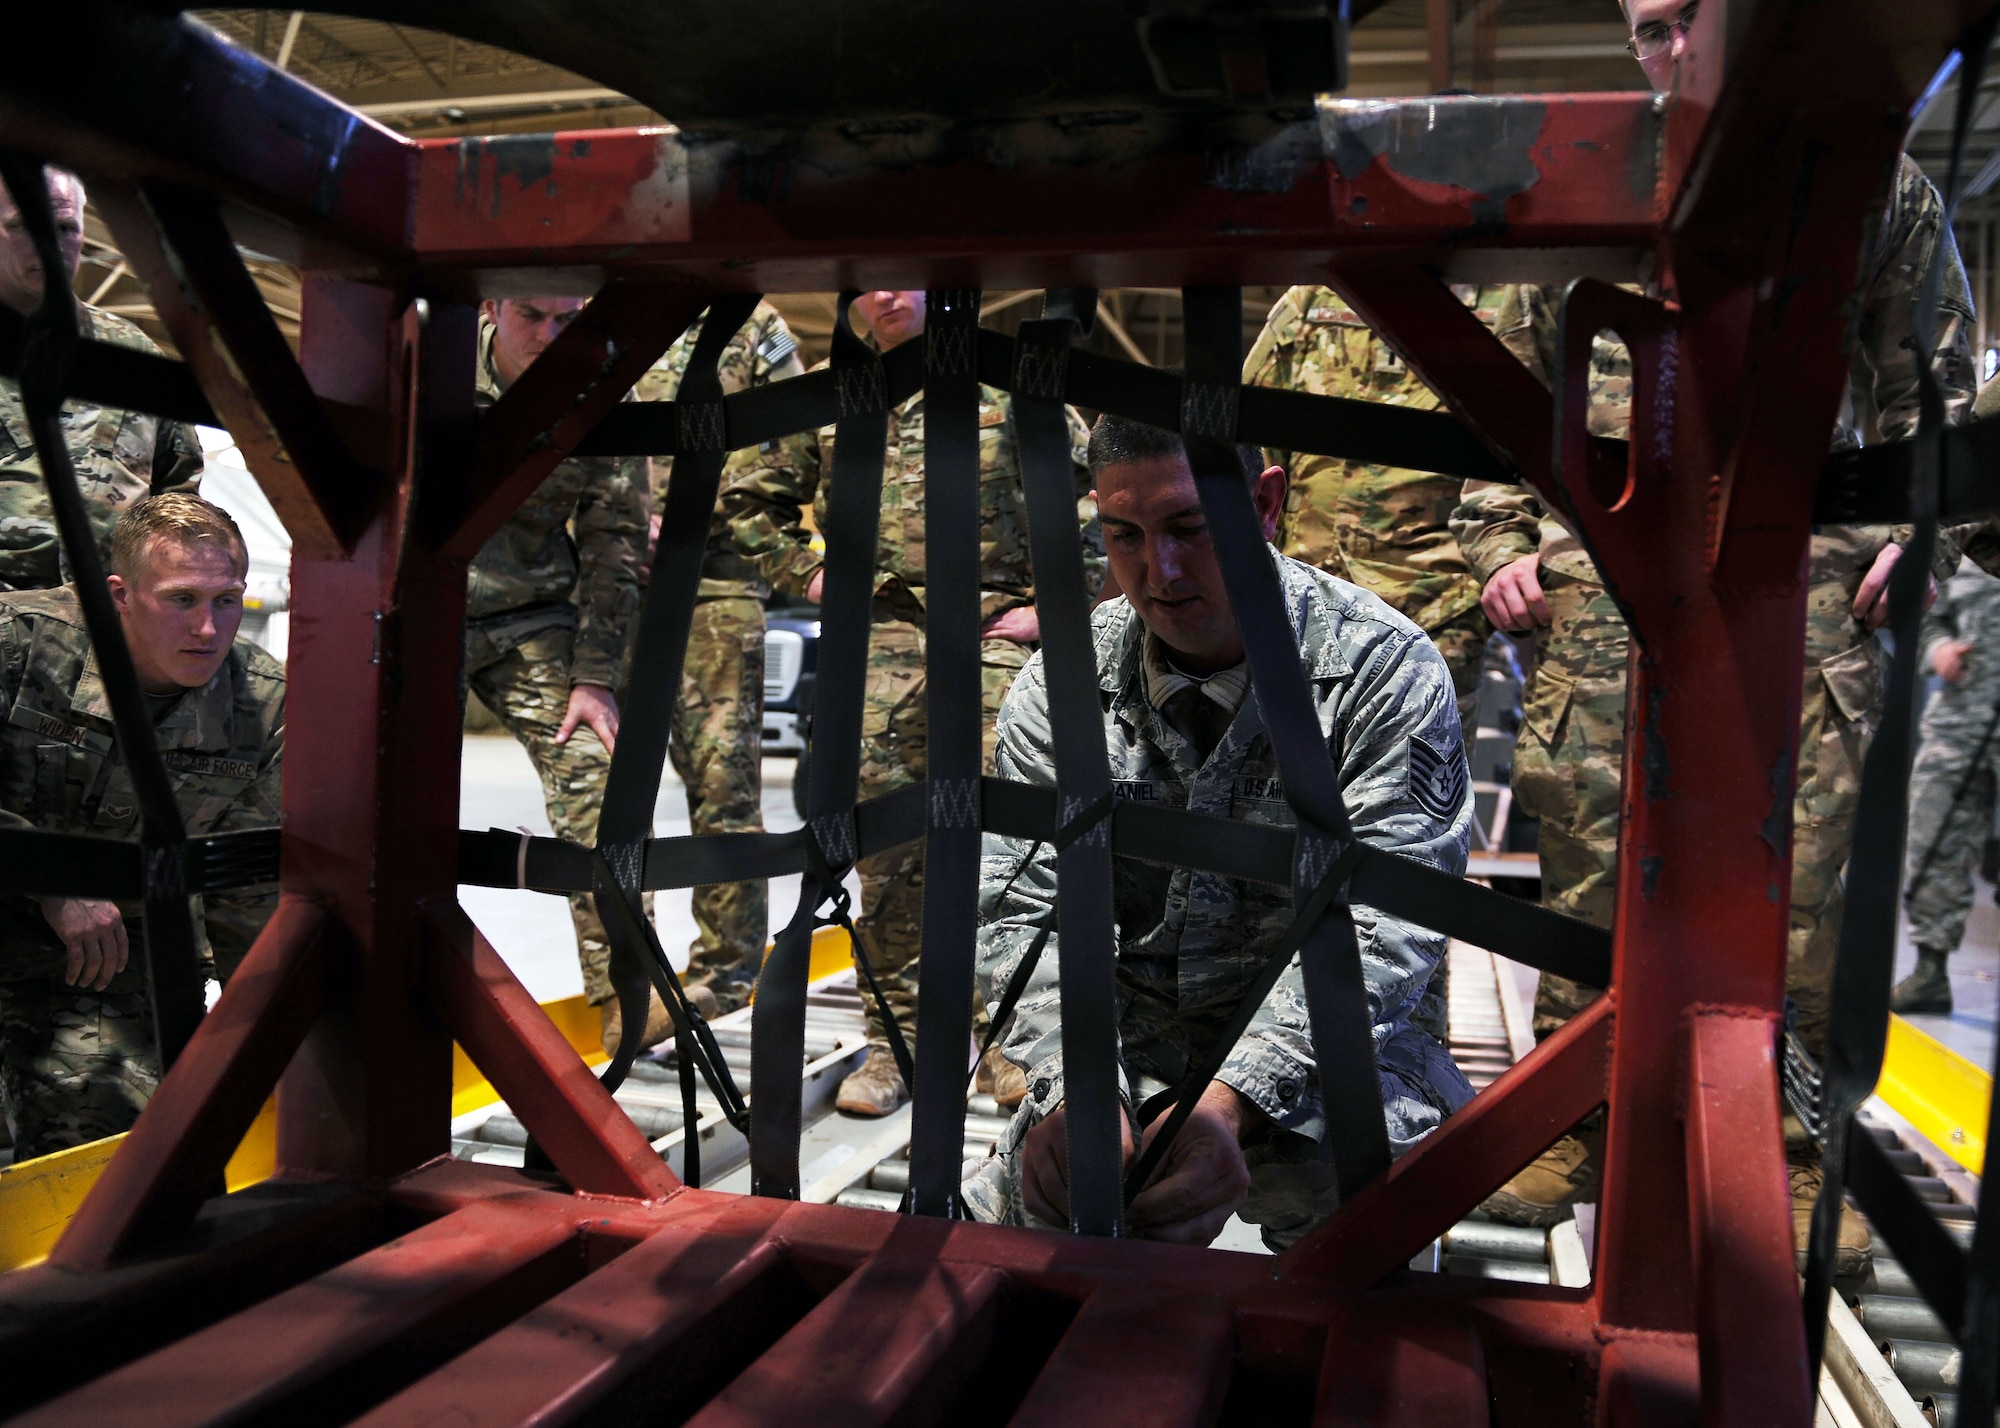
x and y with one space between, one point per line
179 516
1120 441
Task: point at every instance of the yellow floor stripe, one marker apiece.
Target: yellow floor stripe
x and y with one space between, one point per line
1939 1092
39 1197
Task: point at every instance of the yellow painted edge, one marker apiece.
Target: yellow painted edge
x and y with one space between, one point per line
38 1198
830 953
1942 1094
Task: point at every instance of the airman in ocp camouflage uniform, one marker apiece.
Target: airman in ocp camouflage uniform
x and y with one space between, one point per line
717 743
1952 787
1569 759
1380 527
1189 942
77 1055
118 456
765 496
549 600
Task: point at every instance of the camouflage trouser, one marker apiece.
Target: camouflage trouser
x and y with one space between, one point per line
1462 642
1938 897
894 753
1568 763
75 1065
526 685
717 748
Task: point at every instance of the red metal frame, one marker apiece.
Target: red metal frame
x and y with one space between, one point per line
515 1300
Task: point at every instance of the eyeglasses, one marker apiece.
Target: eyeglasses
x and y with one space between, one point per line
1656 40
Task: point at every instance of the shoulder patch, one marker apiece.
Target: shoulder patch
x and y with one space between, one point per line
777 346
1437 782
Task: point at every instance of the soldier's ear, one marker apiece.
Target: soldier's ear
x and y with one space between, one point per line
121 593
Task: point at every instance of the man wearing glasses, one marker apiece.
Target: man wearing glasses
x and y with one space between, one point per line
1538 580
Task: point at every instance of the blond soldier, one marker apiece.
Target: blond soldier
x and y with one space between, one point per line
1381 527
77 1056
765 497
717 743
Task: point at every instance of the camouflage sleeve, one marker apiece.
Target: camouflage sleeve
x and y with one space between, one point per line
1496 524
235 918
1017 893
1914 240
610 531
765 493
1271 359
1940 625
177 458
1404 700
1526 323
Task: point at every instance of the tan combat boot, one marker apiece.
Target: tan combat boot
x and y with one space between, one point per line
876 1089
659 1025
1001 1079
1544 1194
1852 1254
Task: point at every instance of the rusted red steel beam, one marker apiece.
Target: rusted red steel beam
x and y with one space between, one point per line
1649 1380
891 1344
173 1158
667 1322
371 794
536 1071
59 1327
1132 1356
1428 1369
1450 1171
341 1342
176 242
565 392
1746 1288
1138 199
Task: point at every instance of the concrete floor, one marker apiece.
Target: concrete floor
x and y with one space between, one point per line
531 930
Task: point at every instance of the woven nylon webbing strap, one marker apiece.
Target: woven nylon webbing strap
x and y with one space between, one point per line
952 690
778 1021
632 787
1094 1115
1864 966
1330 957
173 975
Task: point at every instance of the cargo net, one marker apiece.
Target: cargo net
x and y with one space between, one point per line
1319 860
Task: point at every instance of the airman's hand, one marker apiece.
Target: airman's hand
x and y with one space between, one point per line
595 707
93 934
1513 599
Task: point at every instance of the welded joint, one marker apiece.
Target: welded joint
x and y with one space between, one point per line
1696 1013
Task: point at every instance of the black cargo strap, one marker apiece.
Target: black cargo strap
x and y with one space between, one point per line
47 363
1203 1069
760 414
659 654
1356 1135
1864 966
952 692
1872 484
114 376
1087 973
852 528
1401 887
839 913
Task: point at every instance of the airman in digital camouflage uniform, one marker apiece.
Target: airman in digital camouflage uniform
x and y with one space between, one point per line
118 456
1952 786
1183 729
1380 527
77 1053
765 496
1568 761
717 743
549 600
